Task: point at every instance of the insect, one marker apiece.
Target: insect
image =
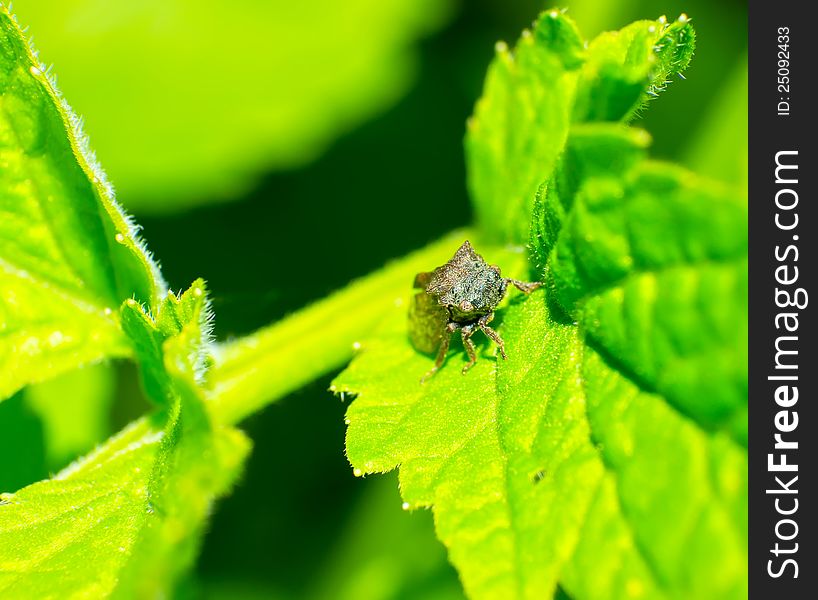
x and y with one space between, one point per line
462 294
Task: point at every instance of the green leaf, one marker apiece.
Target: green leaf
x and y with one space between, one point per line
626 68
126 520
520 124
68 255
192 101
75 532
114 522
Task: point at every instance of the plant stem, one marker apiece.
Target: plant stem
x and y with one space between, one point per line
259 369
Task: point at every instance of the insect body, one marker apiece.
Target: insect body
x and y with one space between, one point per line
462 294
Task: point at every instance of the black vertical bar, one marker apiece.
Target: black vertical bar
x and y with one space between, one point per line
782 67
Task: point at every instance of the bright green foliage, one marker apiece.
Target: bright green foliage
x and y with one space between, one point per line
593 150
207 456
68 257
76 531
199 98
608 453
126 519
552 466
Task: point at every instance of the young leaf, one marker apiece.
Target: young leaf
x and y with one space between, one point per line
626 68
206 461
126 520
68 255
183 319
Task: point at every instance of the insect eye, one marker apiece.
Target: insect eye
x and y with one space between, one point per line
466 305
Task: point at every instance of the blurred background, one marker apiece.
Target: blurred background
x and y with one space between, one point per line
280 149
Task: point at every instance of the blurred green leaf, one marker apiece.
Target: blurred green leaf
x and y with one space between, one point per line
719 148
190 101
585 465
608 453
74 409
68 256
126 520
385 555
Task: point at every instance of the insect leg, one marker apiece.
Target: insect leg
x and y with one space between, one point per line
465 334
444 348
524 286
482 323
